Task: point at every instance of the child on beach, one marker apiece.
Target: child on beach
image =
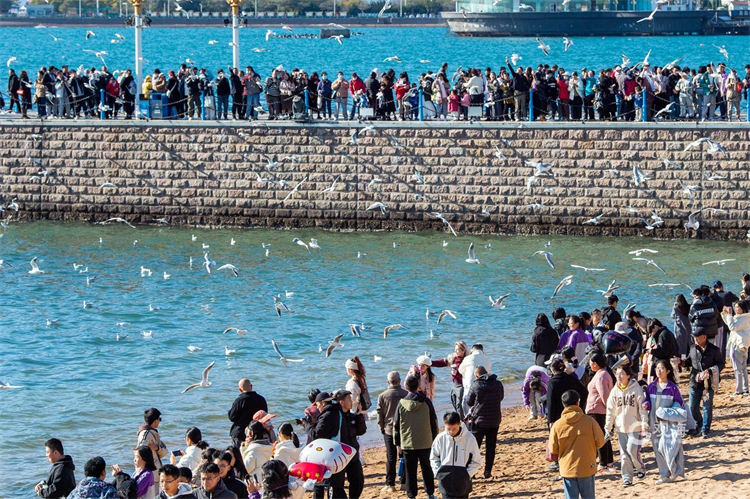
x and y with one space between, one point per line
534 388
465 103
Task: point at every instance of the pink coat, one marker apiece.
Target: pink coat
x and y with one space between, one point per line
599 388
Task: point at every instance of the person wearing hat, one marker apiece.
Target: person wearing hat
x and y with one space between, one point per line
265 418
485 397
423 372
352 426
705 362
357 385
723 301
386 408
329 426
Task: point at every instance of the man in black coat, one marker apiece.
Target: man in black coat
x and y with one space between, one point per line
61 480
610 315
329 426
14 84
705 362
243 408
352 426
485 397
559 383
703 314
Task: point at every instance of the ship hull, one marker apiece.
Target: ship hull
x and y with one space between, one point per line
596 23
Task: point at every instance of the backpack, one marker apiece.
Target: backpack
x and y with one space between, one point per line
365 402
454 481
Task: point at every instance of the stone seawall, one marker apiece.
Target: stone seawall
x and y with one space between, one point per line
208 173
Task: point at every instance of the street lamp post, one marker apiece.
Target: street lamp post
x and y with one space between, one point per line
138 25
235 4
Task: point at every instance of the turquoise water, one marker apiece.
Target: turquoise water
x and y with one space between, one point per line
87 388
166 48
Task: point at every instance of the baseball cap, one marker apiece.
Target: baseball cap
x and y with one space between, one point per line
323 397
263 417
341 394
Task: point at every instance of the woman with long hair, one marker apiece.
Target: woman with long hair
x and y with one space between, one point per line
683 330
663 345
627 415
191 456
453 360
357 385
238 464
143 461
596 403
425 375
544 340
738 343
224 460
256 450
668 418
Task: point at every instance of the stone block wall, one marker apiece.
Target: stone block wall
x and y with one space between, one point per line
208 174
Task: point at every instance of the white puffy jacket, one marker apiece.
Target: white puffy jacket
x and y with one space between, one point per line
455 451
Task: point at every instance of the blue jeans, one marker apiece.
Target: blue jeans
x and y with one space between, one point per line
340 106
674 113
355 108
702 422
222 103
253 101
579 487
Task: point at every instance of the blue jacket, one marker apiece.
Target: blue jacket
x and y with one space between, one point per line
324 88
92 487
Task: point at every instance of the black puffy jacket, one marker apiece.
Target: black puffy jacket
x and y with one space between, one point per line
328 422
559 384
485 396
703 316
610 317
61 480
544 342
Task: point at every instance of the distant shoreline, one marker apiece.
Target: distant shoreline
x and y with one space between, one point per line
218 22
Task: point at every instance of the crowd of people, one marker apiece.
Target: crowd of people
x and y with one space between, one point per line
596 376
704 93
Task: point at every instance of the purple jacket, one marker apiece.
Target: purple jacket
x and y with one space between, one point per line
669 396
527 382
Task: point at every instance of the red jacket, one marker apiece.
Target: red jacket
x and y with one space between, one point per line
562 85
455 375
356 84
401 88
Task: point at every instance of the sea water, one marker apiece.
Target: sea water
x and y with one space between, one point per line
87 388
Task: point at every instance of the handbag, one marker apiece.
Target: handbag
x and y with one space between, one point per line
454 481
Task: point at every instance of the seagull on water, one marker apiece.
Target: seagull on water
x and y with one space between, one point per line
333 345
204 382
472 257
8 386
498 303
282 357
193 348
228 351
650 262
547 256
35 266
390 328
239 331
446 313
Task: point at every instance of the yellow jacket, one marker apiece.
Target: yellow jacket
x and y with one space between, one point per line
574 439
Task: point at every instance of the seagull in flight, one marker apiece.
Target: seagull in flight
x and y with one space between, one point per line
301 243
610 289
472 256
338 38
568 280
118 220
333 345
35 266
650 262
567 43
393 58
379 206
390 328
282 358
639 252
587 269
595 221
696 143
650 17
279 306
229 266
204 382
356 329
89 34
692 222
239 331
498 303
689 189
547 256
542 46
442 218
723 51
446 313
638 176
720 262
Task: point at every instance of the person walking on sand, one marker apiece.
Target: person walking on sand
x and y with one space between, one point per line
626 415
61 480
387 403
573 442
414 429
738 344
705 362
455 458
485 397
668 418
454 360
242 410
599 389
476 358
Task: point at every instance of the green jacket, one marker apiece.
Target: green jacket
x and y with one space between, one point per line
415 424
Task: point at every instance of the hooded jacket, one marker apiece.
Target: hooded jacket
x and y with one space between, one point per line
544 342
682 331
352 426
599 388
666 346
328 423
575 439
559 384
578 340
610 317
485 397
624 409
703 315
184 491
531 373
92 487
285 451
220 492
150 436
61 480
470 363
739 330
255 454
461 450
414 423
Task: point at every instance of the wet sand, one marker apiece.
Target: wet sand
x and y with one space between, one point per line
719 465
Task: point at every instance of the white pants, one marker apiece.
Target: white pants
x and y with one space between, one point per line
535 403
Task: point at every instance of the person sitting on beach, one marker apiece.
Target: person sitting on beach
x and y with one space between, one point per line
224 461
626 415
61 480
265 418
573 443
94 486
534 388
455 458
211 485
148 435
454 360
257 448
191 456
414 429
287 447
387 403
668 416
143 476
485 397
171 485
425 375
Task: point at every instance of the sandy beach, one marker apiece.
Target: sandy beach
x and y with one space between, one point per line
718 465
